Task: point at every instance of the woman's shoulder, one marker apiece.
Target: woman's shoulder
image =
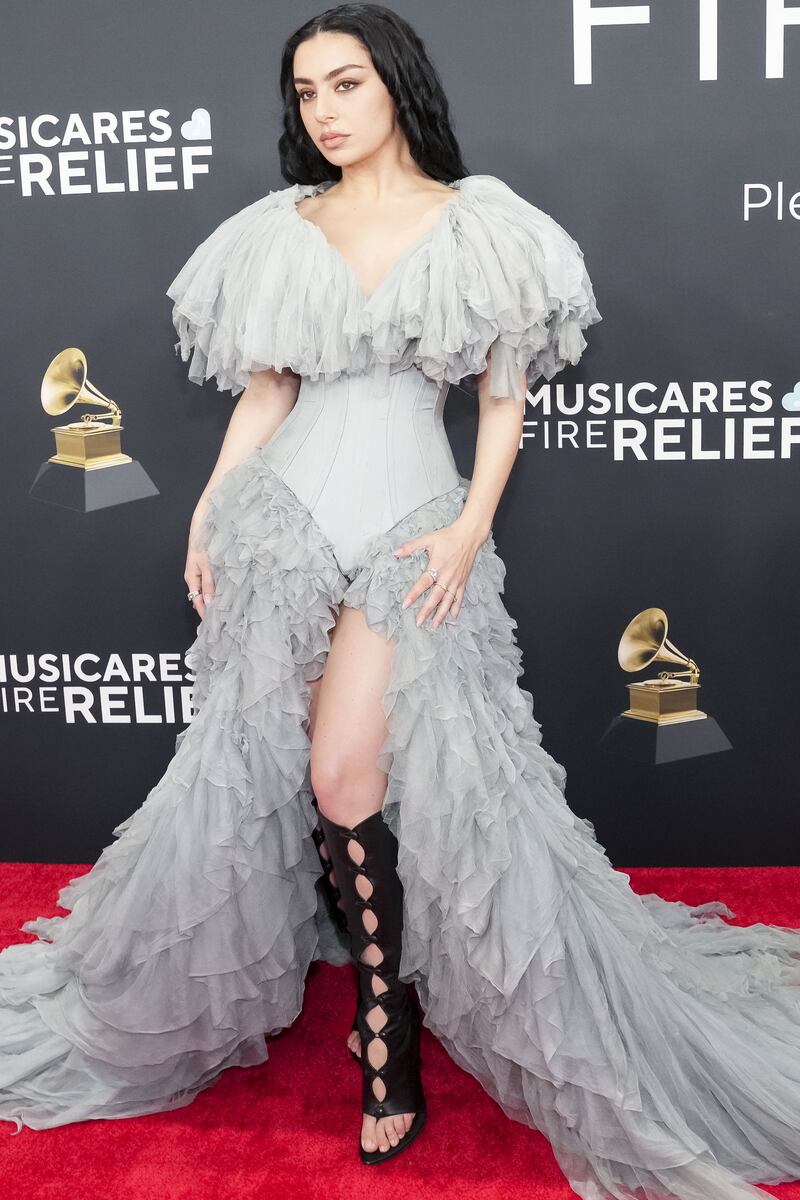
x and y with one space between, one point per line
252 218
494 200
487 186
494 194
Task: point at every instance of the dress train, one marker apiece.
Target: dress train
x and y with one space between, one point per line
655 1045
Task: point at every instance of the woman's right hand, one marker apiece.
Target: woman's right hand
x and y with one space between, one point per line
198 575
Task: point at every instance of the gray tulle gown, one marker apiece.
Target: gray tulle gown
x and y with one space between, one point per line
654 1044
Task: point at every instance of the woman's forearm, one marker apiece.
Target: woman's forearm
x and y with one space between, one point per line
500 426
262 406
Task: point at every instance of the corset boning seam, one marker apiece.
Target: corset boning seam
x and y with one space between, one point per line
323 477
398 405
398 438
421 448
294 414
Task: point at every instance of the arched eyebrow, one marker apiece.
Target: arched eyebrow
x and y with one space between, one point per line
335 71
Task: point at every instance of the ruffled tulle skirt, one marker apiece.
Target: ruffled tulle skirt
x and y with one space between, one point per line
654 1044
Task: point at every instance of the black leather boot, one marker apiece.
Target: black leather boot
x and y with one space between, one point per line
365 860
333 894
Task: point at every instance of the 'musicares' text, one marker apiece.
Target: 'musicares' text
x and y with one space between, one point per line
704 421
108 689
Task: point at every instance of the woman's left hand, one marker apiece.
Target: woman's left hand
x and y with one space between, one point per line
451 552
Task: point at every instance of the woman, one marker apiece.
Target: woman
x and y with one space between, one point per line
353 641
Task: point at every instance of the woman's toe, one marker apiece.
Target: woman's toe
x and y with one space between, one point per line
388 1132
368 1138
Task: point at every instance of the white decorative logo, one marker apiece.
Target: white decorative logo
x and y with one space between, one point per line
791 401
198 128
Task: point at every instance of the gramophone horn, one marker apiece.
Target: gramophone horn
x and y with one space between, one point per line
645 640
65 383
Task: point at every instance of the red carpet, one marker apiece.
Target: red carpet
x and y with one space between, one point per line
289 1128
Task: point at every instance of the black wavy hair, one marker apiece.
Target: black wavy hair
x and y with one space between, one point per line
400 58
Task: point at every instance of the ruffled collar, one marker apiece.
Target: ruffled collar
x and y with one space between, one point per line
493 273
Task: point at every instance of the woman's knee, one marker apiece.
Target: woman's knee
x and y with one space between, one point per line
345 792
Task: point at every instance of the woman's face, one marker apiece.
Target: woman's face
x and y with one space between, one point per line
352 101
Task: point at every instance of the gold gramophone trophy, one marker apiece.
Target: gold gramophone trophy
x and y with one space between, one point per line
670 697
89 469
662 722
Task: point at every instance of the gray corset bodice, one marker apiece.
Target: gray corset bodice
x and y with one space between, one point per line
362 451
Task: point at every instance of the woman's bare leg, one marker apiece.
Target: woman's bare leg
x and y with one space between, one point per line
349 729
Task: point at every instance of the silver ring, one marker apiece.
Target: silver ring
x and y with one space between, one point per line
191 595
434 574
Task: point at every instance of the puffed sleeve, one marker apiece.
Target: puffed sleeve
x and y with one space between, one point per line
227 297
525 296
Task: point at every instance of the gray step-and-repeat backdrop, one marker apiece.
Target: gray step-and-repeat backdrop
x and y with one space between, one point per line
661 472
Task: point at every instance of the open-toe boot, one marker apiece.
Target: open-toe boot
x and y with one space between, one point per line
364 857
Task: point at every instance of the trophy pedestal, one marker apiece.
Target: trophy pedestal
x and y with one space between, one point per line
648 742
88 490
